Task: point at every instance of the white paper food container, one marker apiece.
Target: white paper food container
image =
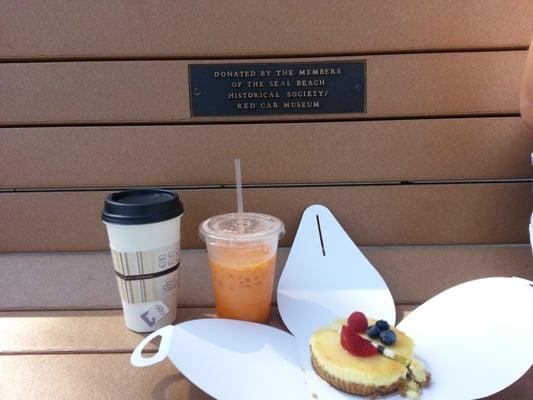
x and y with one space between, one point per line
475 338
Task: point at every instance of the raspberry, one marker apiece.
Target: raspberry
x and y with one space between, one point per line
355 344
357 321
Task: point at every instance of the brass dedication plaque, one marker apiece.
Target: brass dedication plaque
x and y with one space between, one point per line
280 88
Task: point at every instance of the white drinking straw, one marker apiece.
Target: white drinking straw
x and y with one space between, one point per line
239 193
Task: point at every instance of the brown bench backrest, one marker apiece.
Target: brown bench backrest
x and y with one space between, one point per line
95 98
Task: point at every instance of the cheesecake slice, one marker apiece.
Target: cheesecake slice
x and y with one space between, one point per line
374 376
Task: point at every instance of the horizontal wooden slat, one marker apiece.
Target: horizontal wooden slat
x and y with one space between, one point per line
84 331
485 213
111 376
408 150
95 331
158 91
33 281
87 280
68 331
91 376
229 28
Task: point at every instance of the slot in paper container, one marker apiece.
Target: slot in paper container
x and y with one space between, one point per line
475 338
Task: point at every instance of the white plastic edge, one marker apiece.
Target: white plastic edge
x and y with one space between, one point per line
523 280
137 359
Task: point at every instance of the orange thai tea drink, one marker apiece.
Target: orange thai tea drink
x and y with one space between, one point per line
242 256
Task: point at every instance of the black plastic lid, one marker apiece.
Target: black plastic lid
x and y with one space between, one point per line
141 206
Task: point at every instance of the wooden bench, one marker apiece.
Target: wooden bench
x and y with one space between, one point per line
433 181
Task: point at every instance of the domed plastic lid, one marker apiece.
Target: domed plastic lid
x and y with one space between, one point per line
234 227
141 206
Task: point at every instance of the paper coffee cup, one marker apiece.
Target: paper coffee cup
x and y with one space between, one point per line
143 227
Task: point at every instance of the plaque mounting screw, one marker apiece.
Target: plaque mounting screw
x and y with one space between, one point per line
197 91
358 86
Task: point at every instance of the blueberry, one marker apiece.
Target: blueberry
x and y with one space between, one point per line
373 331
382 325
387 337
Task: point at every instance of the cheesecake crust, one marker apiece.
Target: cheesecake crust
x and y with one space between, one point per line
352 387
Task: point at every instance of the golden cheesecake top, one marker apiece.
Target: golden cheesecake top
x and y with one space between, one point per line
373 371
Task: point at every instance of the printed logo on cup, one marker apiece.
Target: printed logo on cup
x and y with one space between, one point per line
168 260
154 313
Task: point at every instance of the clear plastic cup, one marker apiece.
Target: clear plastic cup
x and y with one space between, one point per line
242 257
